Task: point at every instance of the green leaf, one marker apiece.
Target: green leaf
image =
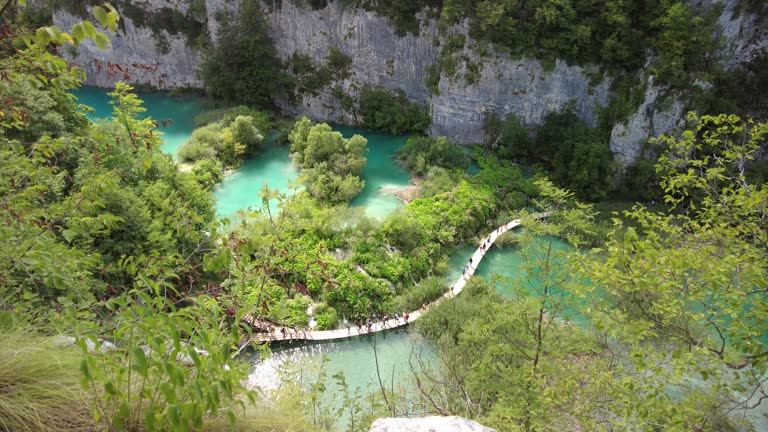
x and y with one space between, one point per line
78 33
109 387
101 15
139 361
173 415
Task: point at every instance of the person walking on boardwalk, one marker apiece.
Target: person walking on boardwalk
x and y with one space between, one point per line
397 318
451 289
407 316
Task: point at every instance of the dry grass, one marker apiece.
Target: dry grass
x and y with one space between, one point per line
39 385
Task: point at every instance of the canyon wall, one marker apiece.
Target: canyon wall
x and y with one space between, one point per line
136 50
459 108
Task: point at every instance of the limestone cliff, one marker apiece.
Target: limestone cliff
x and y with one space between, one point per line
137 51
501 85
459 110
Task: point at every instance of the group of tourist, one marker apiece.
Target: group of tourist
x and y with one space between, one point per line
370 323
291 333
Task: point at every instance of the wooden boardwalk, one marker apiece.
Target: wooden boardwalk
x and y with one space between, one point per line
287 334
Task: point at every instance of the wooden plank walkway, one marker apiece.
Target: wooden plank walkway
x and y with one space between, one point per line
287 334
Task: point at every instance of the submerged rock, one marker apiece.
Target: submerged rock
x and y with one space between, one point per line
428 424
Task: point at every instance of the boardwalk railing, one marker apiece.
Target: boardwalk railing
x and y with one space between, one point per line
278 333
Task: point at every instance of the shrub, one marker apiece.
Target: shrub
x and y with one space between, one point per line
202 144
208 172
291 311
227 144
261 119
421 153
245 133
339 62
438 180
422 293
325 317
509 137
391 112
331 164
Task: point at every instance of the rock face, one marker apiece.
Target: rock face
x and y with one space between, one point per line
428 424
501 85
650 120
135 49
459 111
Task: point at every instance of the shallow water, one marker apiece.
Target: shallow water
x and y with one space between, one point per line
160 106
382 175
240 189
273 167
354 357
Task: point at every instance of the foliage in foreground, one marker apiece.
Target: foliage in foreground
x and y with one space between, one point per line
694 276
521 362
39 383
168 368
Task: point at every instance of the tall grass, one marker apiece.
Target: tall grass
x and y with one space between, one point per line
39 385
281 417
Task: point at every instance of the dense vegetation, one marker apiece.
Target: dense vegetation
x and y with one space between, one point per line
391 112
331 164
236 68
309 78
419 154
226 140
577 155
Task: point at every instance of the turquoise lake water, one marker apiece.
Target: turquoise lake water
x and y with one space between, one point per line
160 106
273 167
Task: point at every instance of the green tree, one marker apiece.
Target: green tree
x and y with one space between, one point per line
331 164
422 153
242 66
579 155
227 140
685 45
690 284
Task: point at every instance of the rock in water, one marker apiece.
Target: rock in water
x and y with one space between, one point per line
428 424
